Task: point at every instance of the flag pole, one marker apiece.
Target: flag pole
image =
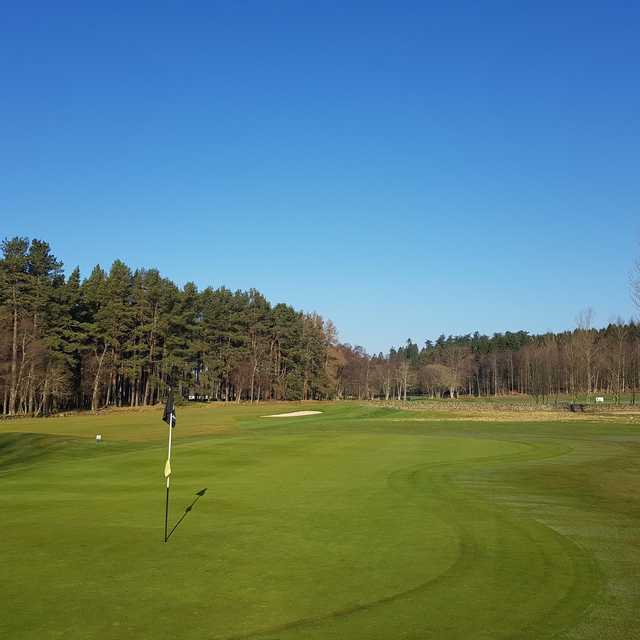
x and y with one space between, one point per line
169 417
166 506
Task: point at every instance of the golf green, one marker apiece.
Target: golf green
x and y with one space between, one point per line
359 522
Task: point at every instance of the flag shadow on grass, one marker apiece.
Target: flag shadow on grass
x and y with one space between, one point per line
187 511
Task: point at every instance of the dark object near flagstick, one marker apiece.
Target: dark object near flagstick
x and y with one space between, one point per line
187 510
169 417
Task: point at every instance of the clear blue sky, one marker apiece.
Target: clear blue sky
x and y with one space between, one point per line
405 169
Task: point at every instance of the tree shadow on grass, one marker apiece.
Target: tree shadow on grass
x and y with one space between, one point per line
187 511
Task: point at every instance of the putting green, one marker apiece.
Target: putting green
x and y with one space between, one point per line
359 522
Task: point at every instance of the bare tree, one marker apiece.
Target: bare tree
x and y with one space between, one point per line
404 372
439 379
620 332
585 342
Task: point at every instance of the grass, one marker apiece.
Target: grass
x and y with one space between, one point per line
525 401
362 522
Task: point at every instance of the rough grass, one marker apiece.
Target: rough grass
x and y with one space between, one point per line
514 409
361 522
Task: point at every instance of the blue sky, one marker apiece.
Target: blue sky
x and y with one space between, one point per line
404 169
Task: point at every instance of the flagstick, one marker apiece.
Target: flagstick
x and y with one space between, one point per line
166 506
166 513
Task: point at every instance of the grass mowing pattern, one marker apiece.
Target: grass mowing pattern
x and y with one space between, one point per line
355 523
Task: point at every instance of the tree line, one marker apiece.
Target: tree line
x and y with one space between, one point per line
120 337
583 362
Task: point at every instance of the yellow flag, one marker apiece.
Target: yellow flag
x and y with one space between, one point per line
167 469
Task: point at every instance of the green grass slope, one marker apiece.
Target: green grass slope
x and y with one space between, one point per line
358 523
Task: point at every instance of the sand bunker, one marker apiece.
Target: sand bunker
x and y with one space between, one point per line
293 414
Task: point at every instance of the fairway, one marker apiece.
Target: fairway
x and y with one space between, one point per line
359 522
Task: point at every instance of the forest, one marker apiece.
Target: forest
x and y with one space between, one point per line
121 337
583 362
